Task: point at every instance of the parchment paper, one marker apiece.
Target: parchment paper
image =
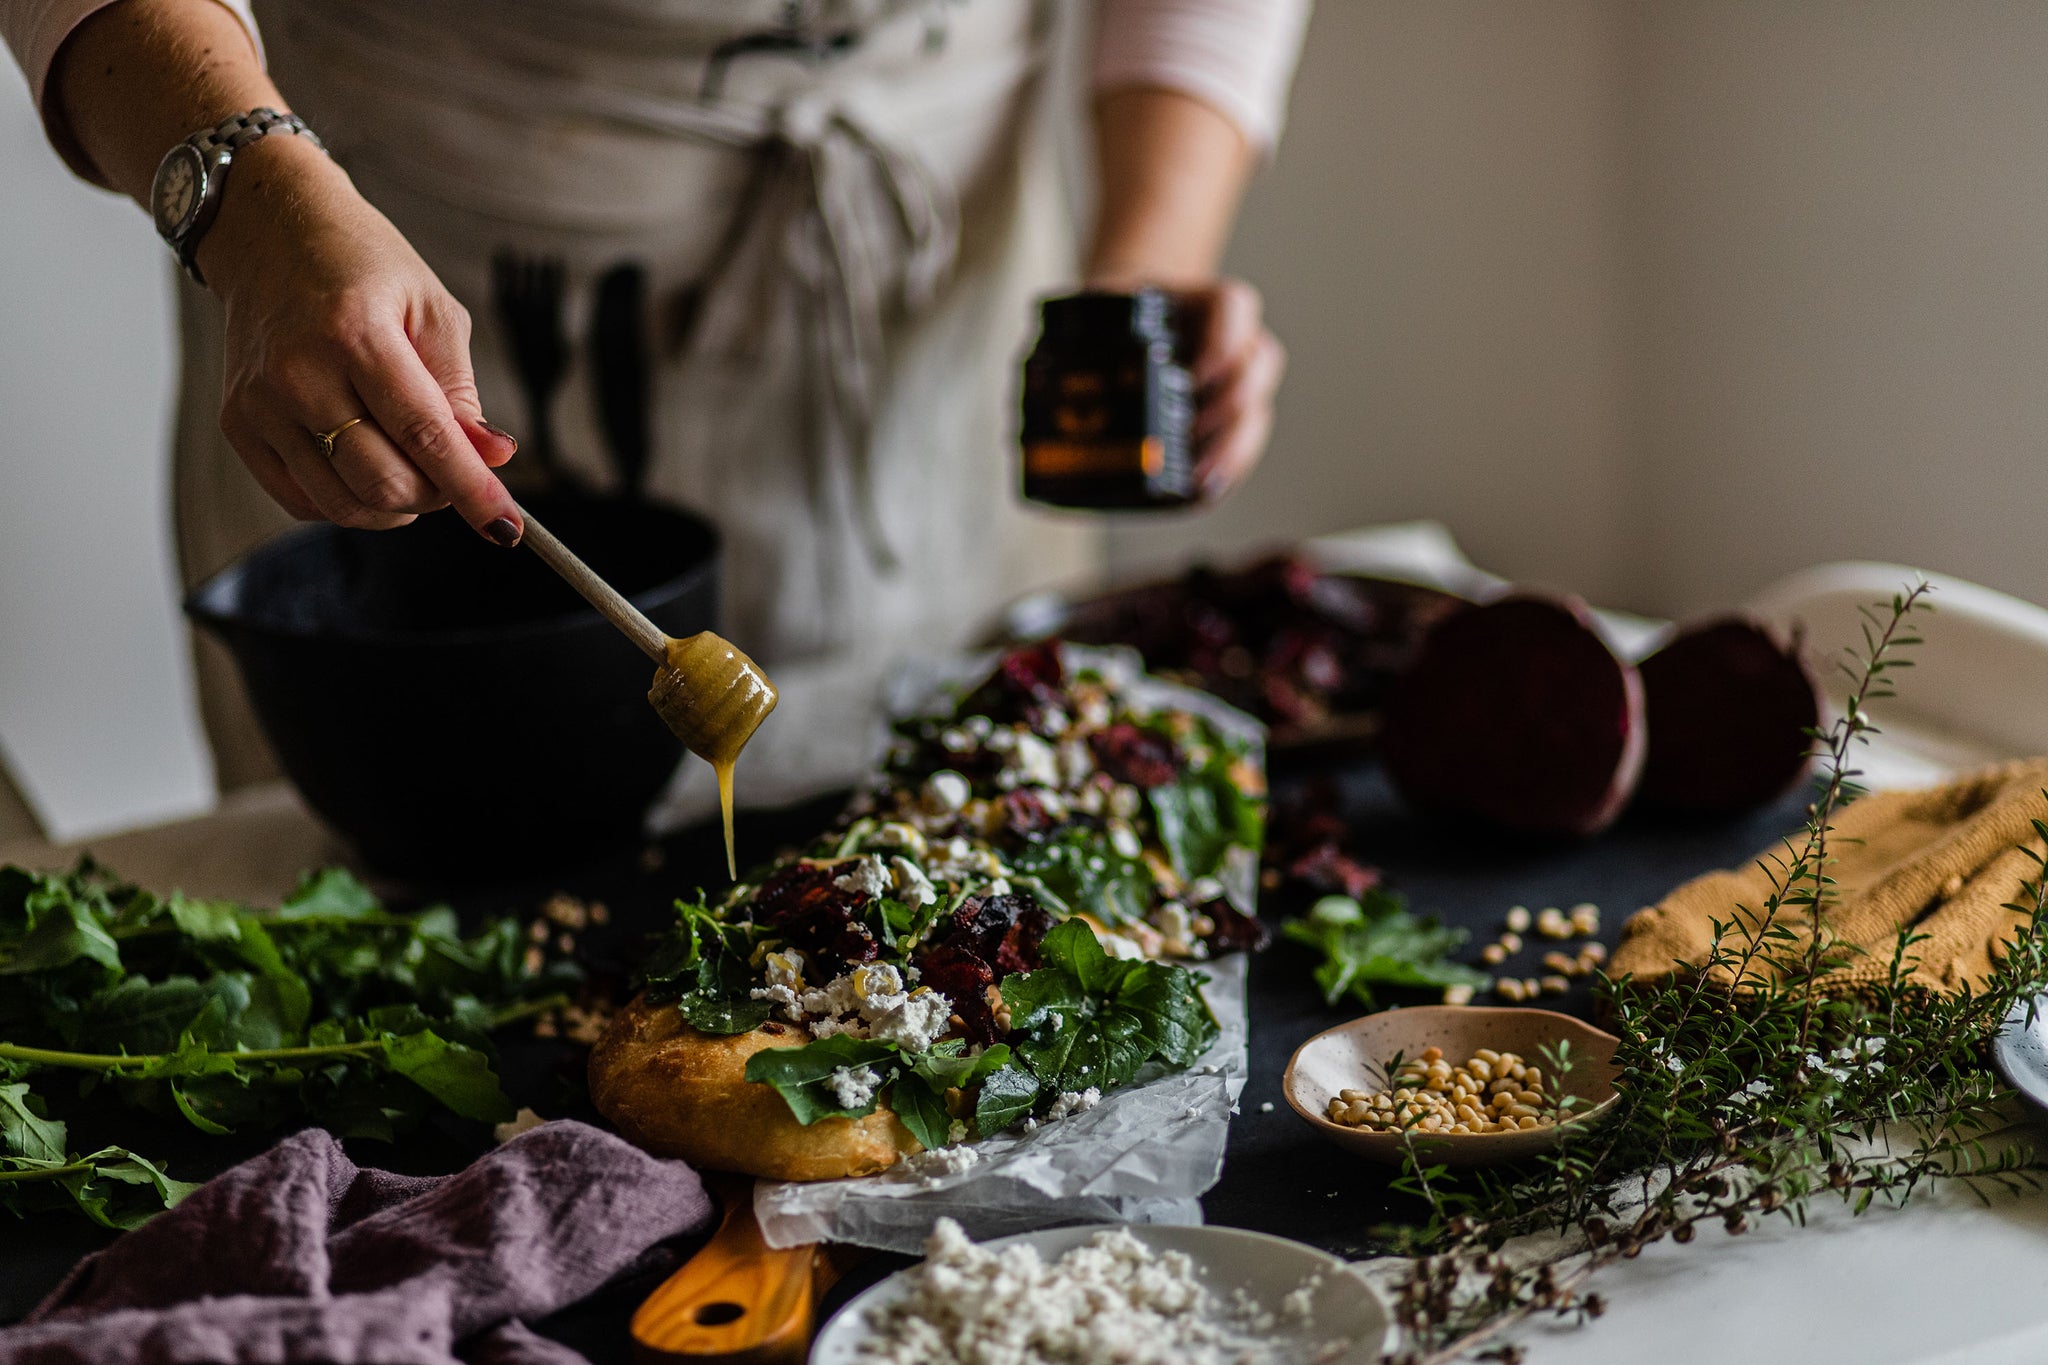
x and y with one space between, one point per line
1144 1154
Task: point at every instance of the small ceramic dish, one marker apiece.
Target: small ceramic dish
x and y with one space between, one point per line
1354 1056
2021 1050
1347 1324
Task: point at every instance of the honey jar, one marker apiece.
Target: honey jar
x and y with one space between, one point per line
1108 405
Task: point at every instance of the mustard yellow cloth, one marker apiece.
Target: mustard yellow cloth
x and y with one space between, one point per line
1945 862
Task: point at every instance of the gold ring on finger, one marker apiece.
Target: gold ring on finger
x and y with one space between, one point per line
325 439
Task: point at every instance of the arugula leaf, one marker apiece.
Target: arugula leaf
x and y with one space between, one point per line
1079 869
24 1131
700 967
122 1190
1378 942
458 1076
923 1111
1086 1018
330 893
1006 1097
801 1074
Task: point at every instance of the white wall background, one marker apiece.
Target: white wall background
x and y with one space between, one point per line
96 718
1651 301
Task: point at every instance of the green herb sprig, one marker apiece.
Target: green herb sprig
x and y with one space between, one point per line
1732 1110
225 1017
1376 941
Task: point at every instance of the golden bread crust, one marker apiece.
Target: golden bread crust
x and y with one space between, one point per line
678 1092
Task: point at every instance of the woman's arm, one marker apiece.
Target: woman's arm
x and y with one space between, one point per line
1172 170
330 313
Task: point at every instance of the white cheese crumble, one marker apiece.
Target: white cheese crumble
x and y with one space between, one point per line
869 877
1114 1299
947 790
785 988
932 1166
1074 1102
853 1087
909 883
882 1006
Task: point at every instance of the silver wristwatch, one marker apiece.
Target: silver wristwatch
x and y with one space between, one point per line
186 193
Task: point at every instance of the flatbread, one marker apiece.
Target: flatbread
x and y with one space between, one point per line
678 1092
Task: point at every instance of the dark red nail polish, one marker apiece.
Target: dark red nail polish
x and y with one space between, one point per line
503 531
498 431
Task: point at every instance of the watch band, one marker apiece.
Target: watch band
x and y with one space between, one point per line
243 129
216 147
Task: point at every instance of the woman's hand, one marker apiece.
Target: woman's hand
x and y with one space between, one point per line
1237 364
332 315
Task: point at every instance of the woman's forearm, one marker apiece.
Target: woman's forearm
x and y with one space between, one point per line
1172 170
138 76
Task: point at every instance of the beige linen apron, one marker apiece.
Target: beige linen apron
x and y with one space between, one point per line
863 235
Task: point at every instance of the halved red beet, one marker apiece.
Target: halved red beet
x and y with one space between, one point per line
1729 705
1518 713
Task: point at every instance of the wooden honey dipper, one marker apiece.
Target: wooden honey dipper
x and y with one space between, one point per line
705 689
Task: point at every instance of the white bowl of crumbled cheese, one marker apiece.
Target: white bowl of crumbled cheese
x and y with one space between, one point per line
1134 1295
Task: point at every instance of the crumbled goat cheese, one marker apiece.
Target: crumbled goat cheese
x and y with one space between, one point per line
999 887
932 1166
978 727
883 1008
1116 945
869 876
1114 1299
1176 928
1074 1102
1124 800
916 1023
956 1132
1202 890
1031 762
955 741
897 834
909 883
785 988
853 1087
947 790
1124 839
956 860
1077 760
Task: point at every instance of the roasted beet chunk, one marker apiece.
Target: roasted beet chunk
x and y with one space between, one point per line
1235 931
1518 713
807 909
1139 757
1004 931
1027 683
964 979
1729 707
1024 813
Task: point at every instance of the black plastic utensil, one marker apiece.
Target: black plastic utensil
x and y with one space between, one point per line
618 339
527 294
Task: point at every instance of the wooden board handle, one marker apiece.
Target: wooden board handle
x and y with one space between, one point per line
737 1300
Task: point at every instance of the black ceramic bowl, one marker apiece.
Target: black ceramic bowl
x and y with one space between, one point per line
452 708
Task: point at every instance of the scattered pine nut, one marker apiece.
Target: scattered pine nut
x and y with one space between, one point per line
1493 955
1457 995
1556 985
1509 989
1518 919
1511 941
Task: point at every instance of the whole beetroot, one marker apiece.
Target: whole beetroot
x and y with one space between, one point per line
1730 705
1517 713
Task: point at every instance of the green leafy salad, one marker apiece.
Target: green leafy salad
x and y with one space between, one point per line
978 942
120 1010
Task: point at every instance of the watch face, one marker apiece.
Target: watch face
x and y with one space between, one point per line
179 188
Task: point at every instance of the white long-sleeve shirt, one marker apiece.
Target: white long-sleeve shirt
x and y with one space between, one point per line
1236 55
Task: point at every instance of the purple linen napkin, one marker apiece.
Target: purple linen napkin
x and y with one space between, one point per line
298 1255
